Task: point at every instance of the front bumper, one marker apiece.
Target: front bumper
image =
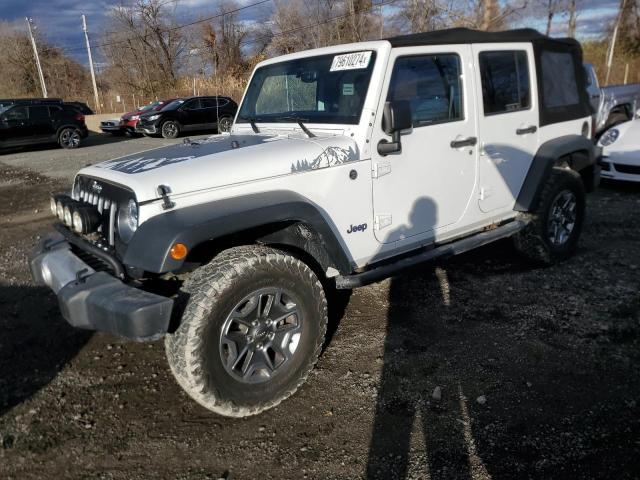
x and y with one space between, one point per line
148 128
96 300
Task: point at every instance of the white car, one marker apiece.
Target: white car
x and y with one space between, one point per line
345 165
621 151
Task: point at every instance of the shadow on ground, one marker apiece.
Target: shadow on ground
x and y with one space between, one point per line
35 342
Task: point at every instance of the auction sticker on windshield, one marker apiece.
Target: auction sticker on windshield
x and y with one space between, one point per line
350 61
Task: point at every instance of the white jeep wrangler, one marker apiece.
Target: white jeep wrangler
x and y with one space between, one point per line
345 165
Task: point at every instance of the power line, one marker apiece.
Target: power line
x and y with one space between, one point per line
167 30
317 24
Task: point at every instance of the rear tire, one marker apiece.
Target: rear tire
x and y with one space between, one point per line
554 227
228 311
69 138
225 124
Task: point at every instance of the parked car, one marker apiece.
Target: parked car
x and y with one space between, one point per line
334 175
82 107
112 126
613 104
32 122
621 151
129 120
187 114
5 102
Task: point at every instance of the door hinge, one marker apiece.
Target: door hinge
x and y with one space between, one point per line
380 169
381 221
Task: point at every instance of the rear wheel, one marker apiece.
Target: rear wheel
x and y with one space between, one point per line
170 129
69 138
252 330
554 229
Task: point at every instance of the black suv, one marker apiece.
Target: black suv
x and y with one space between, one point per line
193 113
30 122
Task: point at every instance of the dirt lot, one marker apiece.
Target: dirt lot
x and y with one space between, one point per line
539 371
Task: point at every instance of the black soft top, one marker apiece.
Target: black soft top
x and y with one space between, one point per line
467 35
562 87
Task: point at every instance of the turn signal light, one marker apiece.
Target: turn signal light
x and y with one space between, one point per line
178 251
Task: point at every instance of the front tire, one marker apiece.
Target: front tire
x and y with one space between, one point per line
225 124
554 227
170 129
252 330
69 138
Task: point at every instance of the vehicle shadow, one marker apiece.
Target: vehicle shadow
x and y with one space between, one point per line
94 139
35 342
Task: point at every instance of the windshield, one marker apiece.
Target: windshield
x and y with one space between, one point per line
4 108
323 89
149 106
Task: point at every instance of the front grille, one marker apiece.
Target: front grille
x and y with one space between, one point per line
632 169
92 192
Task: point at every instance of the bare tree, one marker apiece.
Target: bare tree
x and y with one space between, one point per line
571 28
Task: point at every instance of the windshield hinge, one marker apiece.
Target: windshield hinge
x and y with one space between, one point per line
382 221
380 169
164 191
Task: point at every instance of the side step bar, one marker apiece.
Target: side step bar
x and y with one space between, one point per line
447 250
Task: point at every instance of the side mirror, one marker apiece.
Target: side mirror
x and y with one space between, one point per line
395 118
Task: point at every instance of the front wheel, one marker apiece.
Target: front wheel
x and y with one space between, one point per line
69 138
252 330
170 129
225 124
554 227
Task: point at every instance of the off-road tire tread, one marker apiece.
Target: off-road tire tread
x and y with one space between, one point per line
528 241
204 286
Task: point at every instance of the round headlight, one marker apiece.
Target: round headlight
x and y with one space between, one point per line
128 220
609 136
66 214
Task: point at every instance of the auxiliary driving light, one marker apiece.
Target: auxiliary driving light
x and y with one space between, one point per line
85 219
60 201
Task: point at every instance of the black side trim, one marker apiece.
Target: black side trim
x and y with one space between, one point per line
446 250
542 164
151 244
79 242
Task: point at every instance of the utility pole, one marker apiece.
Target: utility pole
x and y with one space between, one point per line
613 41
93 74
35 53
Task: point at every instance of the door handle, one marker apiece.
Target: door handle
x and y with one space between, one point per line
525 130
465 142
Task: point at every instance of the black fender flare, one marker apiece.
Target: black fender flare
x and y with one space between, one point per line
545 159
279 217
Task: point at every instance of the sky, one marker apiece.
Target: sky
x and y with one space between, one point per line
59 20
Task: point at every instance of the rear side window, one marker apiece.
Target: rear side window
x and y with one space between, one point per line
193 104
39 113
560 88
505 81
432 85
54 111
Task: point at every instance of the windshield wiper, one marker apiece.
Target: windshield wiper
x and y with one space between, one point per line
299 120
252 121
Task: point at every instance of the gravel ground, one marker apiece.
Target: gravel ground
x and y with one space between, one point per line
481 368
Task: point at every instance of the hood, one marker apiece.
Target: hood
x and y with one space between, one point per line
223 160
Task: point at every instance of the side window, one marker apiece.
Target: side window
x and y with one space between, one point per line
191 104
431 84
209 103
39 113
54 111
17 113
560 88
505 81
